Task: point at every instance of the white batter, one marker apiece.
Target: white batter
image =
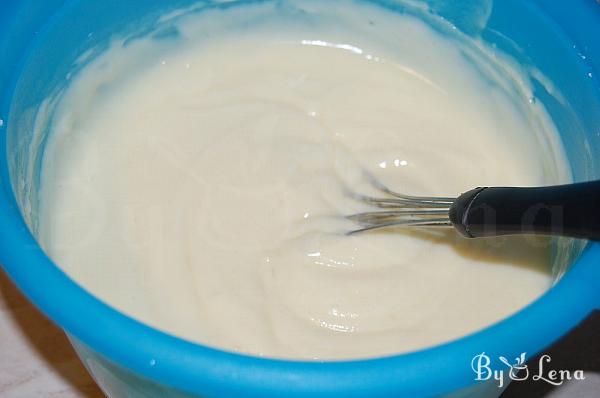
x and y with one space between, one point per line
196 181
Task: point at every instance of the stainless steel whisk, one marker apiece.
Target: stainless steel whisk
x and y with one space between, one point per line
568 210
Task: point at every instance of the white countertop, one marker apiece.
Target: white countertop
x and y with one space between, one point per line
36 358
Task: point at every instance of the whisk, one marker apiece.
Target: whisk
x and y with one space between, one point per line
571 210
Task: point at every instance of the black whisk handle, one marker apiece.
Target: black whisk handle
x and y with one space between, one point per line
567 210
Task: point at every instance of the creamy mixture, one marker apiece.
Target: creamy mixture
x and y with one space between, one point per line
198 180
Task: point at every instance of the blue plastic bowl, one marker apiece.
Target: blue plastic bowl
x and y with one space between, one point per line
39 40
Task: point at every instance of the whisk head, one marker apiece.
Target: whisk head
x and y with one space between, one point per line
401 210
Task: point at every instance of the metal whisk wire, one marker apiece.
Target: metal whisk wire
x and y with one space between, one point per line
401 210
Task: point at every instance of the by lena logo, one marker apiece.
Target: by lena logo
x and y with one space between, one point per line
518 370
